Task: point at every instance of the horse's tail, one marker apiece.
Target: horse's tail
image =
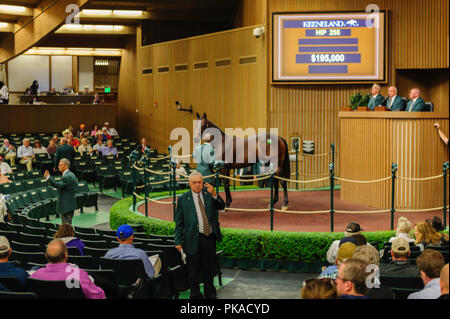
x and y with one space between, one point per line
286 164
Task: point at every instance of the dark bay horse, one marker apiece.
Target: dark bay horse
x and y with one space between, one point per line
247 151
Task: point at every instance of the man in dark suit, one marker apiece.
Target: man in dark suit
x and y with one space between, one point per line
394 102
142 147
67 186
376 98
64 151
415 103
196 232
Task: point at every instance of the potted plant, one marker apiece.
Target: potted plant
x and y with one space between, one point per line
364 102
354 100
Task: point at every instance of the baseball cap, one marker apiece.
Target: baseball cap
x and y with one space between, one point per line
345 251
436 223
4 245
353 228
124 231
400 245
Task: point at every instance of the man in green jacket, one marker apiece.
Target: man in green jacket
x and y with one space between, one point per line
394 102
376 98
67 186
197 229
415 103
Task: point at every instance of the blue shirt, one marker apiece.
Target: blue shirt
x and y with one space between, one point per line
129 252
105 151
432 290
8 269
353 297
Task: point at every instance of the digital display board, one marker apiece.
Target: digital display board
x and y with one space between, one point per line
328 47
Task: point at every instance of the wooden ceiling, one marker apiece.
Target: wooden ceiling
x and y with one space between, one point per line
207 12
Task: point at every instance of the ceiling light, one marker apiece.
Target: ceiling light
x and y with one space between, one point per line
96 12
12 9
127 12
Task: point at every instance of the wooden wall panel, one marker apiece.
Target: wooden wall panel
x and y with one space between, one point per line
54 117
417 39
378 140
232 95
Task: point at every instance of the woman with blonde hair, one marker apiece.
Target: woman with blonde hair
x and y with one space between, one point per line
316 288
404 227
84 147
426 235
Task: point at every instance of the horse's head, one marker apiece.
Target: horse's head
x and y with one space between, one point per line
204 124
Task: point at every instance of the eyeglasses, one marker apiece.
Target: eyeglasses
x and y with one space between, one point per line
340 278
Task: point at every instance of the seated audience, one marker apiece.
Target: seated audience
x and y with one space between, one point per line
97 147
345 252
109 149
4 93
25 153
9 269
27 92
399 265
351 280
126 250
369 255
180 170
404 227
443 283
315 288
38 148
52 147
104 134
57 269
72 141
415 103
85 147
4 179
8 151
360 239
4 167
111 131
81 133
394 102
95 129
67 235
376 99
426 235
352 228
430 264
436 223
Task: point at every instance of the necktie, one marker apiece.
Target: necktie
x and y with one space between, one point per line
206 225
410 108
392 102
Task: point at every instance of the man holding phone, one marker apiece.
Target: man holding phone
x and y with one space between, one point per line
196 233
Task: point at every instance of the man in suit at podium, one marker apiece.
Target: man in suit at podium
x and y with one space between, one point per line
415 103
197 230
394 102
376 98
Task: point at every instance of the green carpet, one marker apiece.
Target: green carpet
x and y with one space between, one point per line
87 219
225 281
107 191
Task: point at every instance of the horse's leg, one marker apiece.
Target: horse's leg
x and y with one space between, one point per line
275 191
285 193
226 185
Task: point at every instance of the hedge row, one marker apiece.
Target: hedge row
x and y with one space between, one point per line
249 244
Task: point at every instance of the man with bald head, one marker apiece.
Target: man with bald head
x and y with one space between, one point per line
376 98
415 103
58 269
444 283
67 187
394 102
